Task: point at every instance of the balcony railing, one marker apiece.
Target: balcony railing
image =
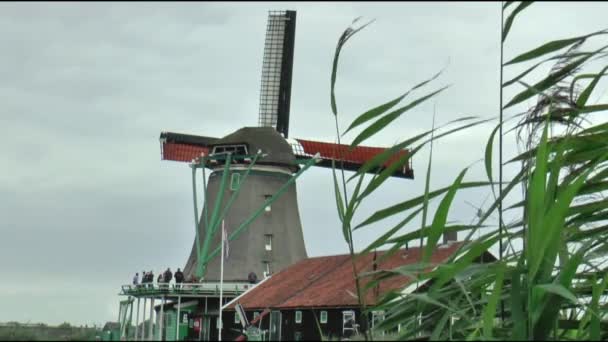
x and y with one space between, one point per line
185 289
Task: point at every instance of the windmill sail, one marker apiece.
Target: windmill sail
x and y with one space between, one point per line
350 159
184 147
277 66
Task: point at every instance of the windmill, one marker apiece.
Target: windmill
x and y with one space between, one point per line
252 166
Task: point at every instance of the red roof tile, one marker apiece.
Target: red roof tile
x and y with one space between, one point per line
329 282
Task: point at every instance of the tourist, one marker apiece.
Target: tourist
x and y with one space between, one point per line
167 276
136 280
179 278
151 279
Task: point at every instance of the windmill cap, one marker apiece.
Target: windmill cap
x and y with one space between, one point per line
276 150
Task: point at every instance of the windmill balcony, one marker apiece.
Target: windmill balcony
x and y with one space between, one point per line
210 289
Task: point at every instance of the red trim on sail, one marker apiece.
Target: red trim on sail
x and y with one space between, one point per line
182 152
358 155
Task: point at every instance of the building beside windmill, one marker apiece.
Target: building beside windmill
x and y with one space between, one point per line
314 300
251 190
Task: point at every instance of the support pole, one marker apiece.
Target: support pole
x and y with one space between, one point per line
205 212
221 282
214 221
136 322
143 325
179 317
130 317
120 308
162 320
151 327
196 220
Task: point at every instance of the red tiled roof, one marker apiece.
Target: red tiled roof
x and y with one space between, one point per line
327 281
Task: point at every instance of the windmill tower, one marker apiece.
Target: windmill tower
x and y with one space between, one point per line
256 163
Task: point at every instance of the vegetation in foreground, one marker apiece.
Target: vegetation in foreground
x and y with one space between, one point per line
550 279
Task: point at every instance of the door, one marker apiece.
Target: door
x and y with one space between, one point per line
275 325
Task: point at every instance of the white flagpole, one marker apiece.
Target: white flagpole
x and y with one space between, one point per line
221 283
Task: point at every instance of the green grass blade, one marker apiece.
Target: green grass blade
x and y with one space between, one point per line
511 18
490 311
386 173
382 239
559 290
518 332
475 250
427 182
547 82
349 32
532 68
390 117
507 4
536 213
536 203
435 335
440 218
584 96
374 112
522 75
551 46
337 194
488 155
411 203
594 326
353 204
382 158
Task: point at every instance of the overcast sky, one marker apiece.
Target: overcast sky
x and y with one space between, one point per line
86 88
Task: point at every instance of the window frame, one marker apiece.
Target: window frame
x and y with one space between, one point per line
235 177
298 313
323 315
268 242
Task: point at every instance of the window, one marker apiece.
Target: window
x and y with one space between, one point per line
235 181
236 318
298 317
266 198
323 319
349 322
377 317
268 240
255 315
266 269
234 149
268 207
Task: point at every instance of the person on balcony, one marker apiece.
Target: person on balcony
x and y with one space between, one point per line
159 281
167 276
179 278
136 280
150 279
